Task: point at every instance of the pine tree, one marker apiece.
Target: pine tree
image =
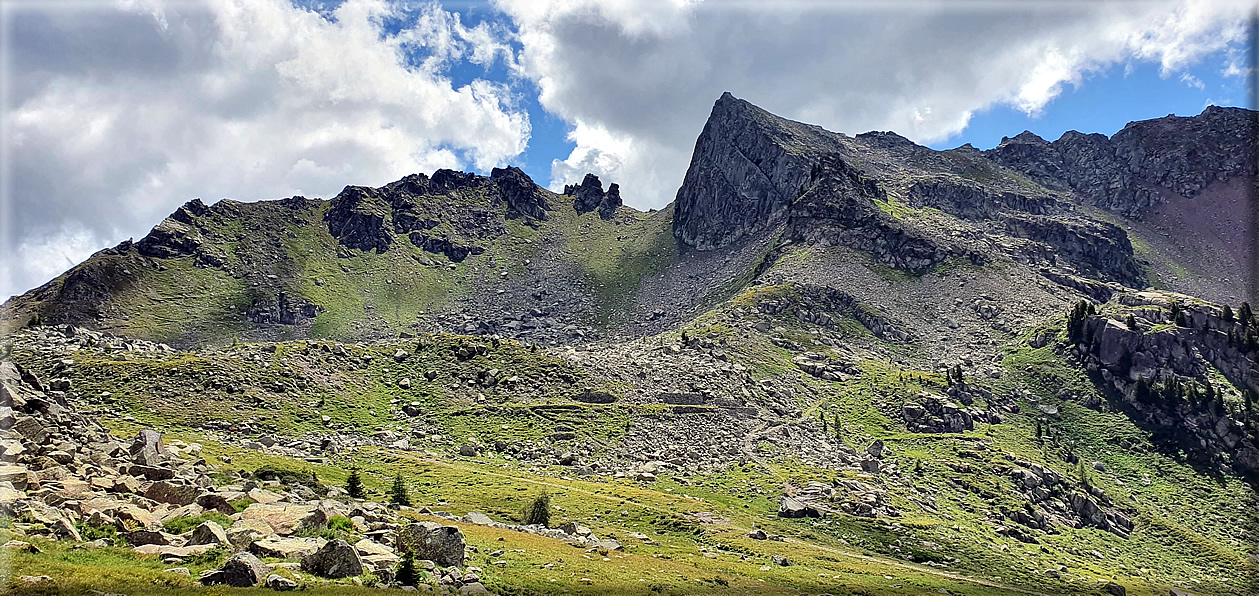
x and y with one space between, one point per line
1131 322
1075 321
1227 315
354 485
539 511
406 574
1142 391
398 493
1244 315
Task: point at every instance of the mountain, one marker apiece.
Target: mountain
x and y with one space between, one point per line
1027 369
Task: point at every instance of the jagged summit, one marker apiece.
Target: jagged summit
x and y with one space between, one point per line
747 167
1132 172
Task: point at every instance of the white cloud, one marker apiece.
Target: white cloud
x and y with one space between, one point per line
116 114
637 79
1192 81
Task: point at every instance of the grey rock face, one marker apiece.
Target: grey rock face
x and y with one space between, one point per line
837 208
1127 172
431 541
285 310
522 196
747 168
972 201
357 219
1098 247
336 559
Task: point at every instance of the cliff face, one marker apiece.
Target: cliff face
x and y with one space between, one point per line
1129 172
1182 364
747 168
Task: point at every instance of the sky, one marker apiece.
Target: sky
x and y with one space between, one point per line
115 112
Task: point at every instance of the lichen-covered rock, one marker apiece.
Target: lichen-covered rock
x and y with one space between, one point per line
335 559
242 570
431 541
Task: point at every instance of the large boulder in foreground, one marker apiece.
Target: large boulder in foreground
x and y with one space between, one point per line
337 558
431 541
243 570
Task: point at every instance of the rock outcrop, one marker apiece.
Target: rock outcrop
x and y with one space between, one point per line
1162 365
589 196
523 197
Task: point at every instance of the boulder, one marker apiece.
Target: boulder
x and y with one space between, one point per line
335 559
220 502
139 517
245 531
15 475
1115 589
285 548
171 493
209 532
280 583
284 519
376 556
181 552
242 570
146 449
791 508
431 541
148 537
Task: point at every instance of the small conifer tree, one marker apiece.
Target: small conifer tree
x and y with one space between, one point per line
539 511
406 574
1227 315
398 493
1131 322
354 485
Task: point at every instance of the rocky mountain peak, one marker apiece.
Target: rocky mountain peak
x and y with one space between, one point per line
589 196
1025 137
747 168
523 197
1132 172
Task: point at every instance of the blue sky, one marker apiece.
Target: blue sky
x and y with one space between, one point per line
1102 101
1106 101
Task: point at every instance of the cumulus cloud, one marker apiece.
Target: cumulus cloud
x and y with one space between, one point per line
117 113
636 80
